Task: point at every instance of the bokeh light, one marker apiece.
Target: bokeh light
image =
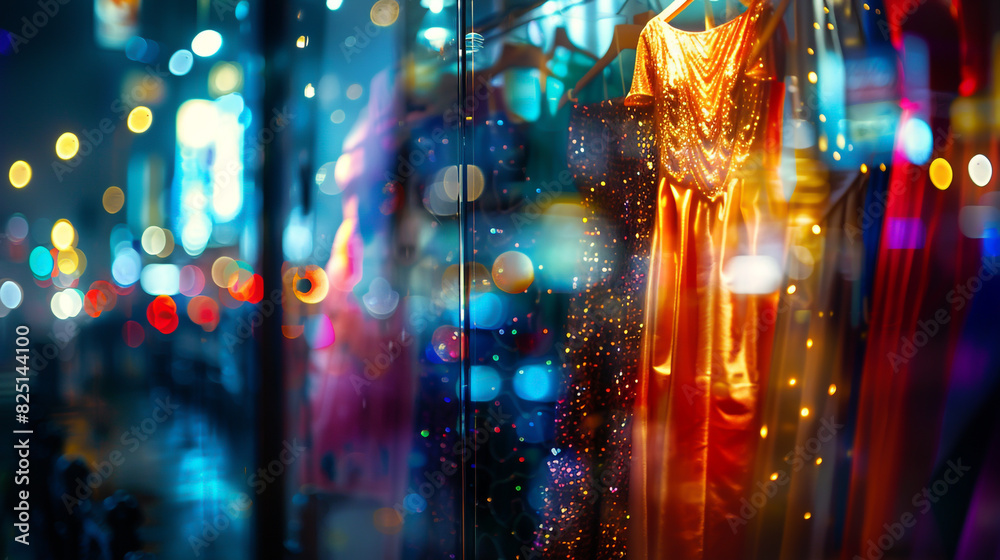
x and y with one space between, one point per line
68 261
113 200
126 267
319 332
160 279
99 298
940 173
917 141
535 382
204 312
980 170
237 273
513 272
63 235
153 240
66 304
752 274
192 280
11 294
17 228
309 283
19 174
197 121
452 182
325 178
67 145
140 119
219 268
385 12
41 262
247 287
485 383
162 314
447 343
225 78
979 222
487 311
206 43
381 300
181 62
168 244
133 333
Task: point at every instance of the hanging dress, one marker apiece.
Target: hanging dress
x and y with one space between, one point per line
708 326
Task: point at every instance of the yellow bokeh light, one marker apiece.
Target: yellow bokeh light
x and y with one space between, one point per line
20 174
807 515
819 460
218 271
804 412
774 476
168 247
153 240
809 343
302 42
792 382
813 78
68 261
385 12
113 200
224 78
309 283
941 173
832 389
763 431
140 119
67 145
864 168
63 235
791 289
816 229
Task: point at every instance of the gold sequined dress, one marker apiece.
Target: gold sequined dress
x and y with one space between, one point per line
706 349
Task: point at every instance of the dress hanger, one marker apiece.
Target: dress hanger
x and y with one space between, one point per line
518 55
562 40
677 6
709 15
625 37
521 55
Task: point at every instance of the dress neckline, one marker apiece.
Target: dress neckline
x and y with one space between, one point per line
712 30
